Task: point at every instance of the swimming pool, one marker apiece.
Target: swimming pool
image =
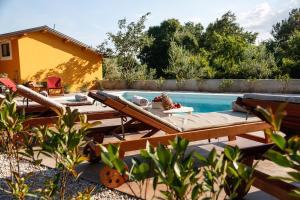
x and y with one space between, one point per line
201 102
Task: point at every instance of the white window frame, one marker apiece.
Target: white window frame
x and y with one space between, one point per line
10 51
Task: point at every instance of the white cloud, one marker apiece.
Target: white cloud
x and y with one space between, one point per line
257 17
264 16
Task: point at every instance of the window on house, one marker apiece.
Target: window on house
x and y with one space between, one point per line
5 48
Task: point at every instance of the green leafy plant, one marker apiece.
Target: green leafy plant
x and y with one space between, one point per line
225 84
19 189
160 82
177 171
63 144
284 79
287 153
11 134
85 195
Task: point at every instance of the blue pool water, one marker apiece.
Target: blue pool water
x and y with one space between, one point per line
200 102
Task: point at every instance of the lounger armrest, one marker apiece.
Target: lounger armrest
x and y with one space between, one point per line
46 101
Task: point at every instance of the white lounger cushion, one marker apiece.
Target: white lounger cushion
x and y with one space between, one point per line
89 109
273 97
209 120
139 109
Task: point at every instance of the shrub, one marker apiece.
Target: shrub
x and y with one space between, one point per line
61 142
225 85
175 168
288 149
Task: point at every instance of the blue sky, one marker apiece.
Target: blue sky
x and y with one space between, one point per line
90 20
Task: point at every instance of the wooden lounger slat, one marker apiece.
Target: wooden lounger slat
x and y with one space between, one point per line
291 122
256 138
202 134
53 119
276 188
292 109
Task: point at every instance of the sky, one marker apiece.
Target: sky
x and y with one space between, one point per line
89 20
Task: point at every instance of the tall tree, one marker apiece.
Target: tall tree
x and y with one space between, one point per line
285 33
257 62
227 26
156 55
127 44
187 65
226 41
291 60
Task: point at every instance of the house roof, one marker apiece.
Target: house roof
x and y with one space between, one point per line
52 31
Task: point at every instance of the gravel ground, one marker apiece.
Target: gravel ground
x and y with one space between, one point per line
37 180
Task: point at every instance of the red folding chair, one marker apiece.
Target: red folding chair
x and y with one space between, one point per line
8 83
55 83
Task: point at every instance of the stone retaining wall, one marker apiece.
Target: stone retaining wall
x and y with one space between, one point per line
209 85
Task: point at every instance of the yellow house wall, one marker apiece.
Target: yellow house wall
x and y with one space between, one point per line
12 67
43 54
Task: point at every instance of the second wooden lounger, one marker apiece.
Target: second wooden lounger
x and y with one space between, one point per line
191 127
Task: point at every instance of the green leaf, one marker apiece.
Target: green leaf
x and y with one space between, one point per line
113 151
295 175
278 158
163 155
166 193
279 141
212 156
106 160
232 171
295 158
230 153
119 165
200 157
196 192
144 153
144 168
149 148
155 181
177 170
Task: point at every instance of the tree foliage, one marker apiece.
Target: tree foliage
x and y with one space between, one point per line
186 65
189 51
127 44
285 44
257 62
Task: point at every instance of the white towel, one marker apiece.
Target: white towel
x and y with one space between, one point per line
141 101
80 97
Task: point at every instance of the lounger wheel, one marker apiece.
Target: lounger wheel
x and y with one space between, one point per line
111 178
90 152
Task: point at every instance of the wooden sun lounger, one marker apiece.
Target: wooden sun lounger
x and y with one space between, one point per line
290 126
155 124
33 107
94 113
291 122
